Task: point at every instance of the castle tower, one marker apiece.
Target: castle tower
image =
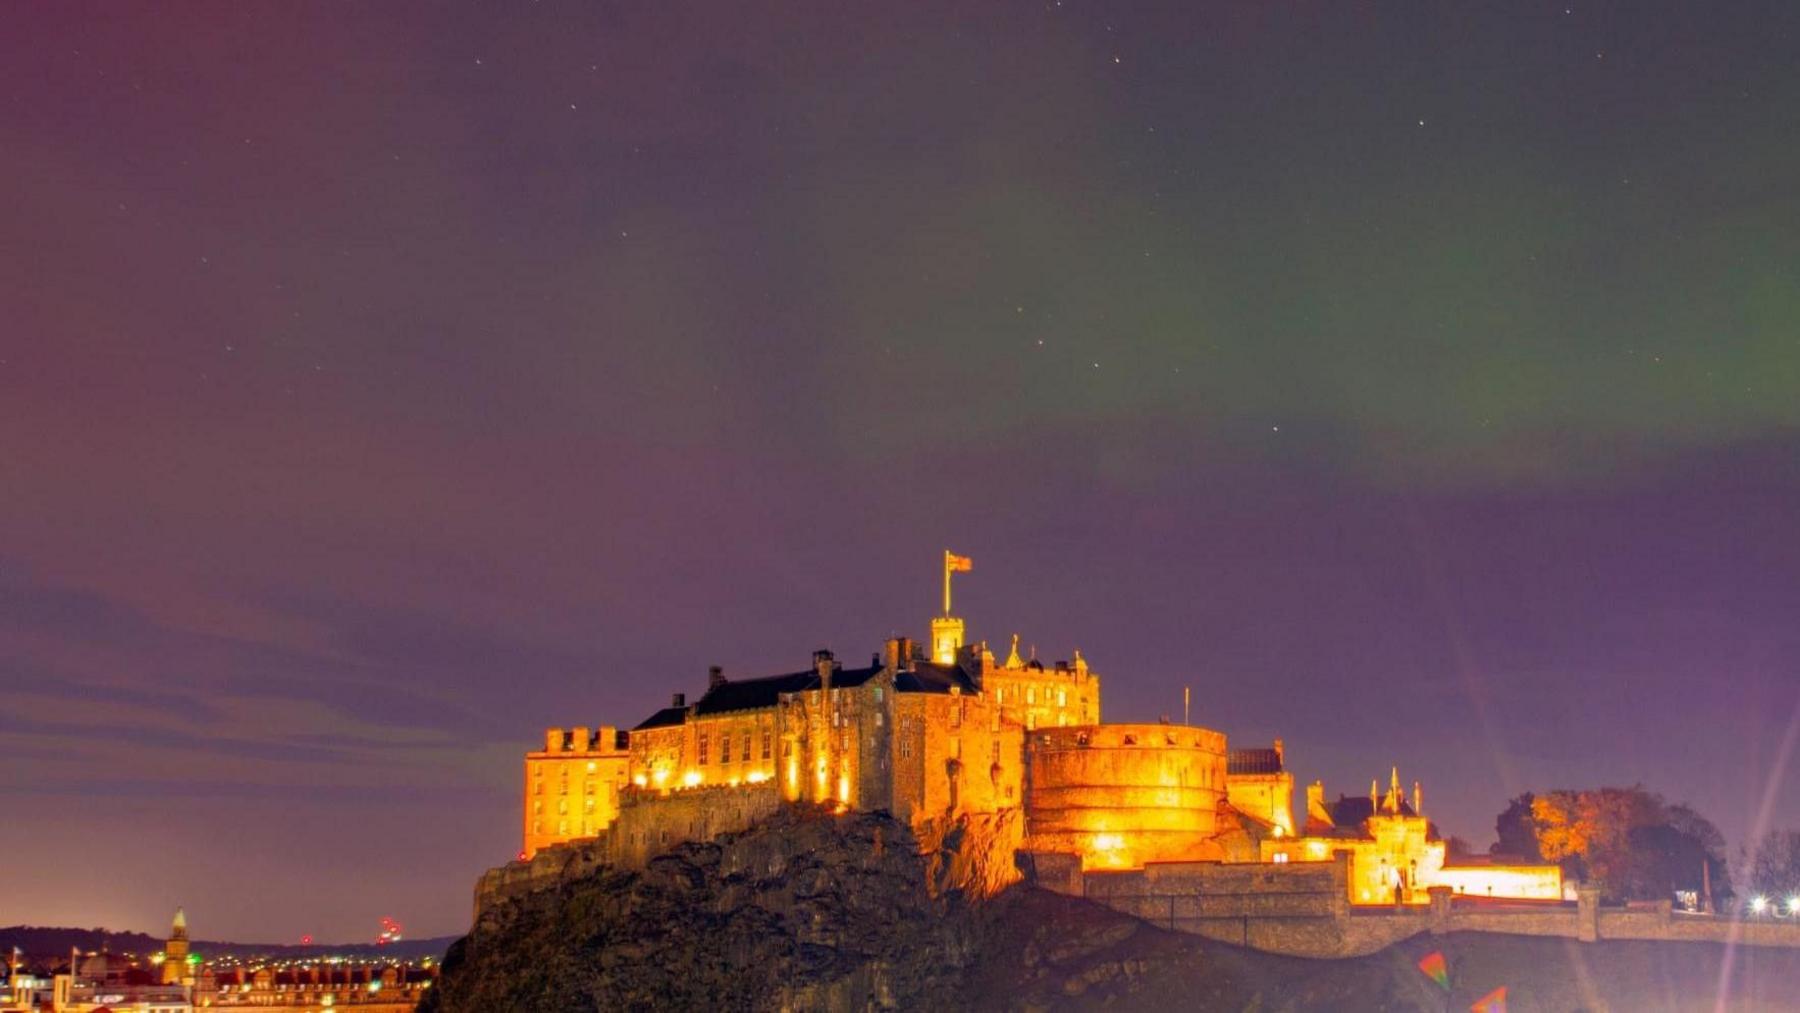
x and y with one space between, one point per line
947 629
175 951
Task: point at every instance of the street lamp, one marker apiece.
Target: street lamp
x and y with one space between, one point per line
1759 904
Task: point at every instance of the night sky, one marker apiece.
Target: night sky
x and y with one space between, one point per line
380 384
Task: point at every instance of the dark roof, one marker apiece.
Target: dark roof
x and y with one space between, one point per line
930 677
755 694
1253 761
1349 813
663 718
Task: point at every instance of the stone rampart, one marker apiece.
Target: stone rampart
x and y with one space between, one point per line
1301 909
648 825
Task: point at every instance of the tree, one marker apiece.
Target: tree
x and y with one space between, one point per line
1630 841
1516 832
1775 869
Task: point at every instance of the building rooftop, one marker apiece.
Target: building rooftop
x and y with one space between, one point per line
1348 814
729 695
1253 761
931 677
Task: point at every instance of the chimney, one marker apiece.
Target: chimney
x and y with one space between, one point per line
823 664
1315 804
552 740
894 653
715 677
1280 755
1418 800
578 739
678 700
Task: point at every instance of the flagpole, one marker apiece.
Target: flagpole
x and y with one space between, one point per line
946 582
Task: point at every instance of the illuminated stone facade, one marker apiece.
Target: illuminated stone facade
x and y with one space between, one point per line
572 785
1259 786
1123 795
1394 856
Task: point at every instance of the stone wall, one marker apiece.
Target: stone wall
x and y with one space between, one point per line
648 825
1302 909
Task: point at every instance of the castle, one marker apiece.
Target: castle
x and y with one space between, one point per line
941 733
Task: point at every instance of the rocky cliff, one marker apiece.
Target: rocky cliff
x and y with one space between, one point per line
806 910
811 911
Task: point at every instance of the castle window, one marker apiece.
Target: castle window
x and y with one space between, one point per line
590 787
878 694
562 827
956 713
724 748
999 694
592 766
537 826
700 748
1062 698
766 737
537 807
540 787
746 753
562 806
1280 858
590 804
1031 694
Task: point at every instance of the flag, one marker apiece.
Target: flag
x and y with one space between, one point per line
958 564
1437 970
1493 1002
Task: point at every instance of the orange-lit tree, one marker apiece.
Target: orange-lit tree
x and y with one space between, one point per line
1630 841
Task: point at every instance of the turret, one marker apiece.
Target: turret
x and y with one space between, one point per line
947 629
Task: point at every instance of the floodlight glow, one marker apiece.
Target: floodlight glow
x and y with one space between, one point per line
1758 904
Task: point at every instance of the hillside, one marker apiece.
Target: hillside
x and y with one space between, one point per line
808 911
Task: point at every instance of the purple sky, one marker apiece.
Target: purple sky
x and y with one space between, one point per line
381 384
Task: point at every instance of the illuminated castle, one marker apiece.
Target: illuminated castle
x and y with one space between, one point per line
940 733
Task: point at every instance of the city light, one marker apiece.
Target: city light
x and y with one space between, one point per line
1794 905
1758 905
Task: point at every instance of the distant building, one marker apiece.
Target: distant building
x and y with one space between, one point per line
177 980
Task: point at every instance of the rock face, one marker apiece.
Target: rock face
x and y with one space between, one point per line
804 911
809 911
